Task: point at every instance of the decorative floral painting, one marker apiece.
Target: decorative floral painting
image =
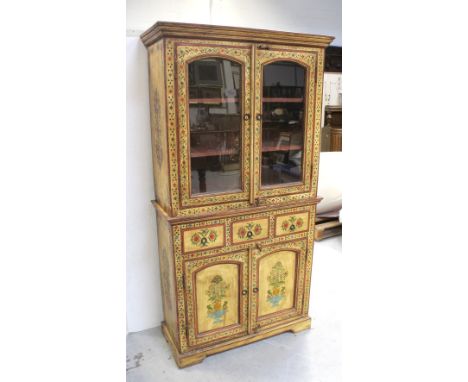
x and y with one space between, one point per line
217 292
276 280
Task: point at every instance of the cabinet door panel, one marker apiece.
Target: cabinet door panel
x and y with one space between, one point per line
278 282
285 89
217 297
216 303
213 89
277 279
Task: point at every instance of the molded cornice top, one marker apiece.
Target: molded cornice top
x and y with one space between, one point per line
164 29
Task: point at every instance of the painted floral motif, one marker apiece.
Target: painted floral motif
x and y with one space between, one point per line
204 237
249 231
276 280
216 293
292 224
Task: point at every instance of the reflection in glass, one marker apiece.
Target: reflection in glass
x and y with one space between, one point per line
215 95
282 123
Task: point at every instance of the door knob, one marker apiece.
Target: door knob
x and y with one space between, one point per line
255 290
246 117
258 117
244 292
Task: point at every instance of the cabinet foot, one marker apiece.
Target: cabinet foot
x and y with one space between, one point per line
197 356
181 360
299 327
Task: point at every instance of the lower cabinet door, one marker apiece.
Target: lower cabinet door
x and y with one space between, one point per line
217 297
277 283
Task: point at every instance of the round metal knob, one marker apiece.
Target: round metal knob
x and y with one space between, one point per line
246 117
255 290
244 292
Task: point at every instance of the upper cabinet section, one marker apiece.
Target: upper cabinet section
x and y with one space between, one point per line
235 122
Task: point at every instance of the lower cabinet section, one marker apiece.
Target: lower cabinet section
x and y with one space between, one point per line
234 294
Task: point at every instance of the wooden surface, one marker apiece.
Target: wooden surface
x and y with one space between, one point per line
199 31
332 132
326 229
197 356
231 271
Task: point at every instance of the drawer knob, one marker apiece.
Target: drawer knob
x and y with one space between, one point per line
244 292
255 290
246 117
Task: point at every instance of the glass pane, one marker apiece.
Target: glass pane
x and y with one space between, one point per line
282 123
215 96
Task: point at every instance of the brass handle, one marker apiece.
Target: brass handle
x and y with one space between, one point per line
244 292
246 117
255 290
258 117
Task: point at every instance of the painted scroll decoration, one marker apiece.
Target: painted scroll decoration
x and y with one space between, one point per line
217 292
292 224
276 280
249 231
203 237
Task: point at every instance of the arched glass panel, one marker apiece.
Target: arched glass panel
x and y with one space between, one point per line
215 99
282 123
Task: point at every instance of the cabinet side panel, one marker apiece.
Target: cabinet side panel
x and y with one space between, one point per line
168 284
158 124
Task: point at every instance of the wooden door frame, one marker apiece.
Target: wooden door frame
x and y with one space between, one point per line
185 52
310 60
218 334
299 247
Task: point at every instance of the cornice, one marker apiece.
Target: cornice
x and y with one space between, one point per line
163 29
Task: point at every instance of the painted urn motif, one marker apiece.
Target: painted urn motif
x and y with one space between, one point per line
277 279
217 292
249 231
203 237
292 224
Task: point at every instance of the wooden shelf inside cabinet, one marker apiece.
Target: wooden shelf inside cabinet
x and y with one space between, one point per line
282 100
268 148
235 175
212 101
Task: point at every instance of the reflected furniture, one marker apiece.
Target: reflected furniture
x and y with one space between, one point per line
235 126
332 131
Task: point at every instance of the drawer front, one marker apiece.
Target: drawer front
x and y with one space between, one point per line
287 224
203 238
250 230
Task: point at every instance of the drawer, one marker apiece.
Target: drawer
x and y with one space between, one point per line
286 224
250 230
203 238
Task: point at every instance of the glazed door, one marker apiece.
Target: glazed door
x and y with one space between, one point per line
285 95
277 283
213 107
217 297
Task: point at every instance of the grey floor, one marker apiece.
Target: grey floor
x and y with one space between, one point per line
312 355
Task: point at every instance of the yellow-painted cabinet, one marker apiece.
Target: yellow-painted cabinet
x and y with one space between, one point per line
235 129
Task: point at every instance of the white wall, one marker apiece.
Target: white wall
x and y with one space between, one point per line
306 16
144 306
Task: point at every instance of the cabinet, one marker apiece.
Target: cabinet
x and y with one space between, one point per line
235 126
